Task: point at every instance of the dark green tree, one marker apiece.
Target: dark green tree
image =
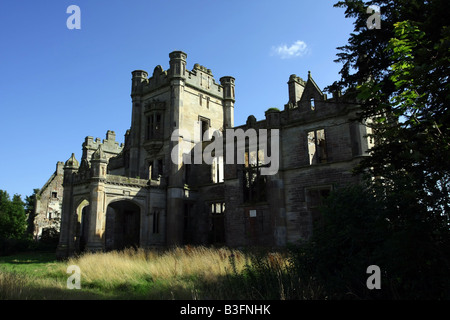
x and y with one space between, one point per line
399 74
30 210
12 216
5 208
348 239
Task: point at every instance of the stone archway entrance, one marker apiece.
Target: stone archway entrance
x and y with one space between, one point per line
82 226
122 228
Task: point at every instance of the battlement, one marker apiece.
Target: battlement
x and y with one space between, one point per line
200 77
109 145
202 68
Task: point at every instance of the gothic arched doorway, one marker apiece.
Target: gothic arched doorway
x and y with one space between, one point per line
82 226
122 228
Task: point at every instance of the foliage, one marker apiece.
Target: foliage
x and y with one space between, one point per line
399 74
30 206
343 245
12 216
13 224
356 232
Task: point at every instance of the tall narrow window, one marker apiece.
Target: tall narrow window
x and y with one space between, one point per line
156 215
149 127
204 126
154 126
217 169
157 129
217 215
160 167
317 148
254 182
187 173
150 169
157 169
312 104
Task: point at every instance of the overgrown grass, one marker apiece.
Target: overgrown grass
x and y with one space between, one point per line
178 273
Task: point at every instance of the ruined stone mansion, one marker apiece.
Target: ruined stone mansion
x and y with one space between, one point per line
134 194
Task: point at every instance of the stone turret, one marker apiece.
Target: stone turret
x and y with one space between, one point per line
178 64
228 101
99 163
296 87
72 163
138 76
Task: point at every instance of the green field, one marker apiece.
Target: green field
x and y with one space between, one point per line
180 273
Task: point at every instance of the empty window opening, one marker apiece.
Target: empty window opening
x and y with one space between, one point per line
217 169
204 127
157 169
217 222
187 173
317 148
254 182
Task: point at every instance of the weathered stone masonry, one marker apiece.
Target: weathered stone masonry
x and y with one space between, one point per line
133 194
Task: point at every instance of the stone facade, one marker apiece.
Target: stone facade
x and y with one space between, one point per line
47 215
135 194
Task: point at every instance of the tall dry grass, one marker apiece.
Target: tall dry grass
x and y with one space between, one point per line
171 273
131 264
177 273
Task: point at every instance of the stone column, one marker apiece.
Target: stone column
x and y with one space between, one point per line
97 202
175 190
66 231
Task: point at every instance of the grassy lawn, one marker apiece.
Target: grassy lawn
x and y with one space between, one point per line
180 273
36 275
36 263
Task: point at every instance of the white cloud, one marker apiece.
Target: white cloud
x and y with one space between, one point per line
297 49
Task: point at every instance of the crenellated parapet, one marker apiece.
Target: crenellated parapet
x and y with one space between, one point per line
109 145
200 78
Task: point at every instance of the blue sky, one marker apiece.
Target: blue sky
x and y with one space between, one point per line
58 86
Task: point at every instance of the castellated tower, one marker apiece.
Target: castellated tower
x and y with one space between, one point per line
190 101
134 194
